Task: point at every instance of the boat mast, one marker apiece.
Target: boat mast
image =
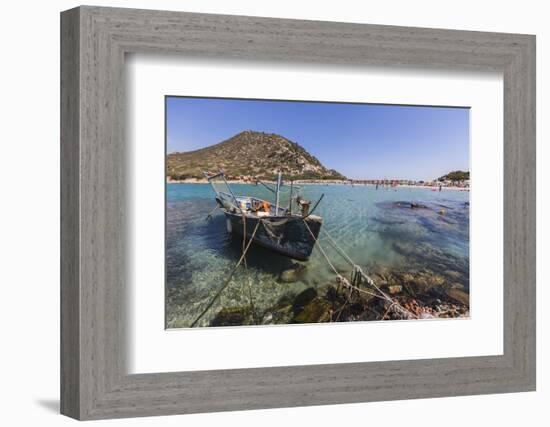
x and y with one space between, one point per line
290 203
277 195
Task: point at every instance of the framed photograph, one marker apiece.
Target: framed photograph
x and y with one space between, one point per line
262 213
410 232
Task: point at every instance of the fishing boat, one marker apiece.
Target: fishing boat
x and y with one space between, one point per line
271 225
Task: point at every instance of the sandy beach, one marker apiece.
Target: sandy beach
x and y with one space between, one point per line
317 182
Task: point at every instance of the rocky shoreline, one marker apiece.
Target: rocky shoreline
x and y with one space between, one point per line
424 293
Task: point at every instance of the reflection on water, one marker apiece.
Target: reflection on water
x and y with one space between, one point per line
405 229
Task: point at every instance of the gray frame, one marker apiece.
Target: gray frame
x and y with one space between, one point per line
94 41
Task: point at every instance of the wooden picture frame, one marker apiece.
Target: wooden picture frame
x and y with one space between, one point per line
94 382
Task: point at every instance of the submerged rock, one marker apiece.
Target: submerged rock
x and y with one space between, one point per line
395 289
276 316
232 316
292 274
281 312
332 294
412 205
267 319
415 205
407 277
452 274
303 299
318 310
285 301
459 296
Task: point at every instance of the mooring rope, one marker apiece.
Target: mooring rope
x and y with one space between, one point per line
229 278
338 248
244 238
342 280
339 277
355 266
209 216
394 305
316 242
388 310
250 299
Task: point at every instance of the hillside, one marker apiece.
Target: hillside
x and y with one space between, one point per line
250 153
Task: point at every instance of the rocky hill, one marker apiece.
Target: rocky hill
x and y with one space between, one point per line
250 153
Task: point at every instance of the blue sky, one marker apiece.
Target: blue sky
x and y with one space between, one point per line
369 141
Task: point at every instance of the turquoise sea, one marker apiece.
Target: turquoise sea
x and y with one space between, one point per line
376 227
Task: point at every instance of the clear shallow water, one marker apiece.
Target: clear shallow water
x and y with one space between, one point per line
377 228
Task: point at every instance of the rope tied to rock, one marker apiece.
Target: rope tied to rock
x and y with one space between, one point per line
359 273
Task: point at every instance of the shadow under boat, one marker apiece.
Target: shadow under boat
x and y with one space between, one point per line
258 256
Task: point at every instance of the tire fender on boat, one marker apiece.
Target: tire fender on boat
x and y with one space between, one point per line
228 225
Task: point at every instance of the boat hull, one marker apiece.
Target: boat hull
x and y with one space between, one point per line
286 235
